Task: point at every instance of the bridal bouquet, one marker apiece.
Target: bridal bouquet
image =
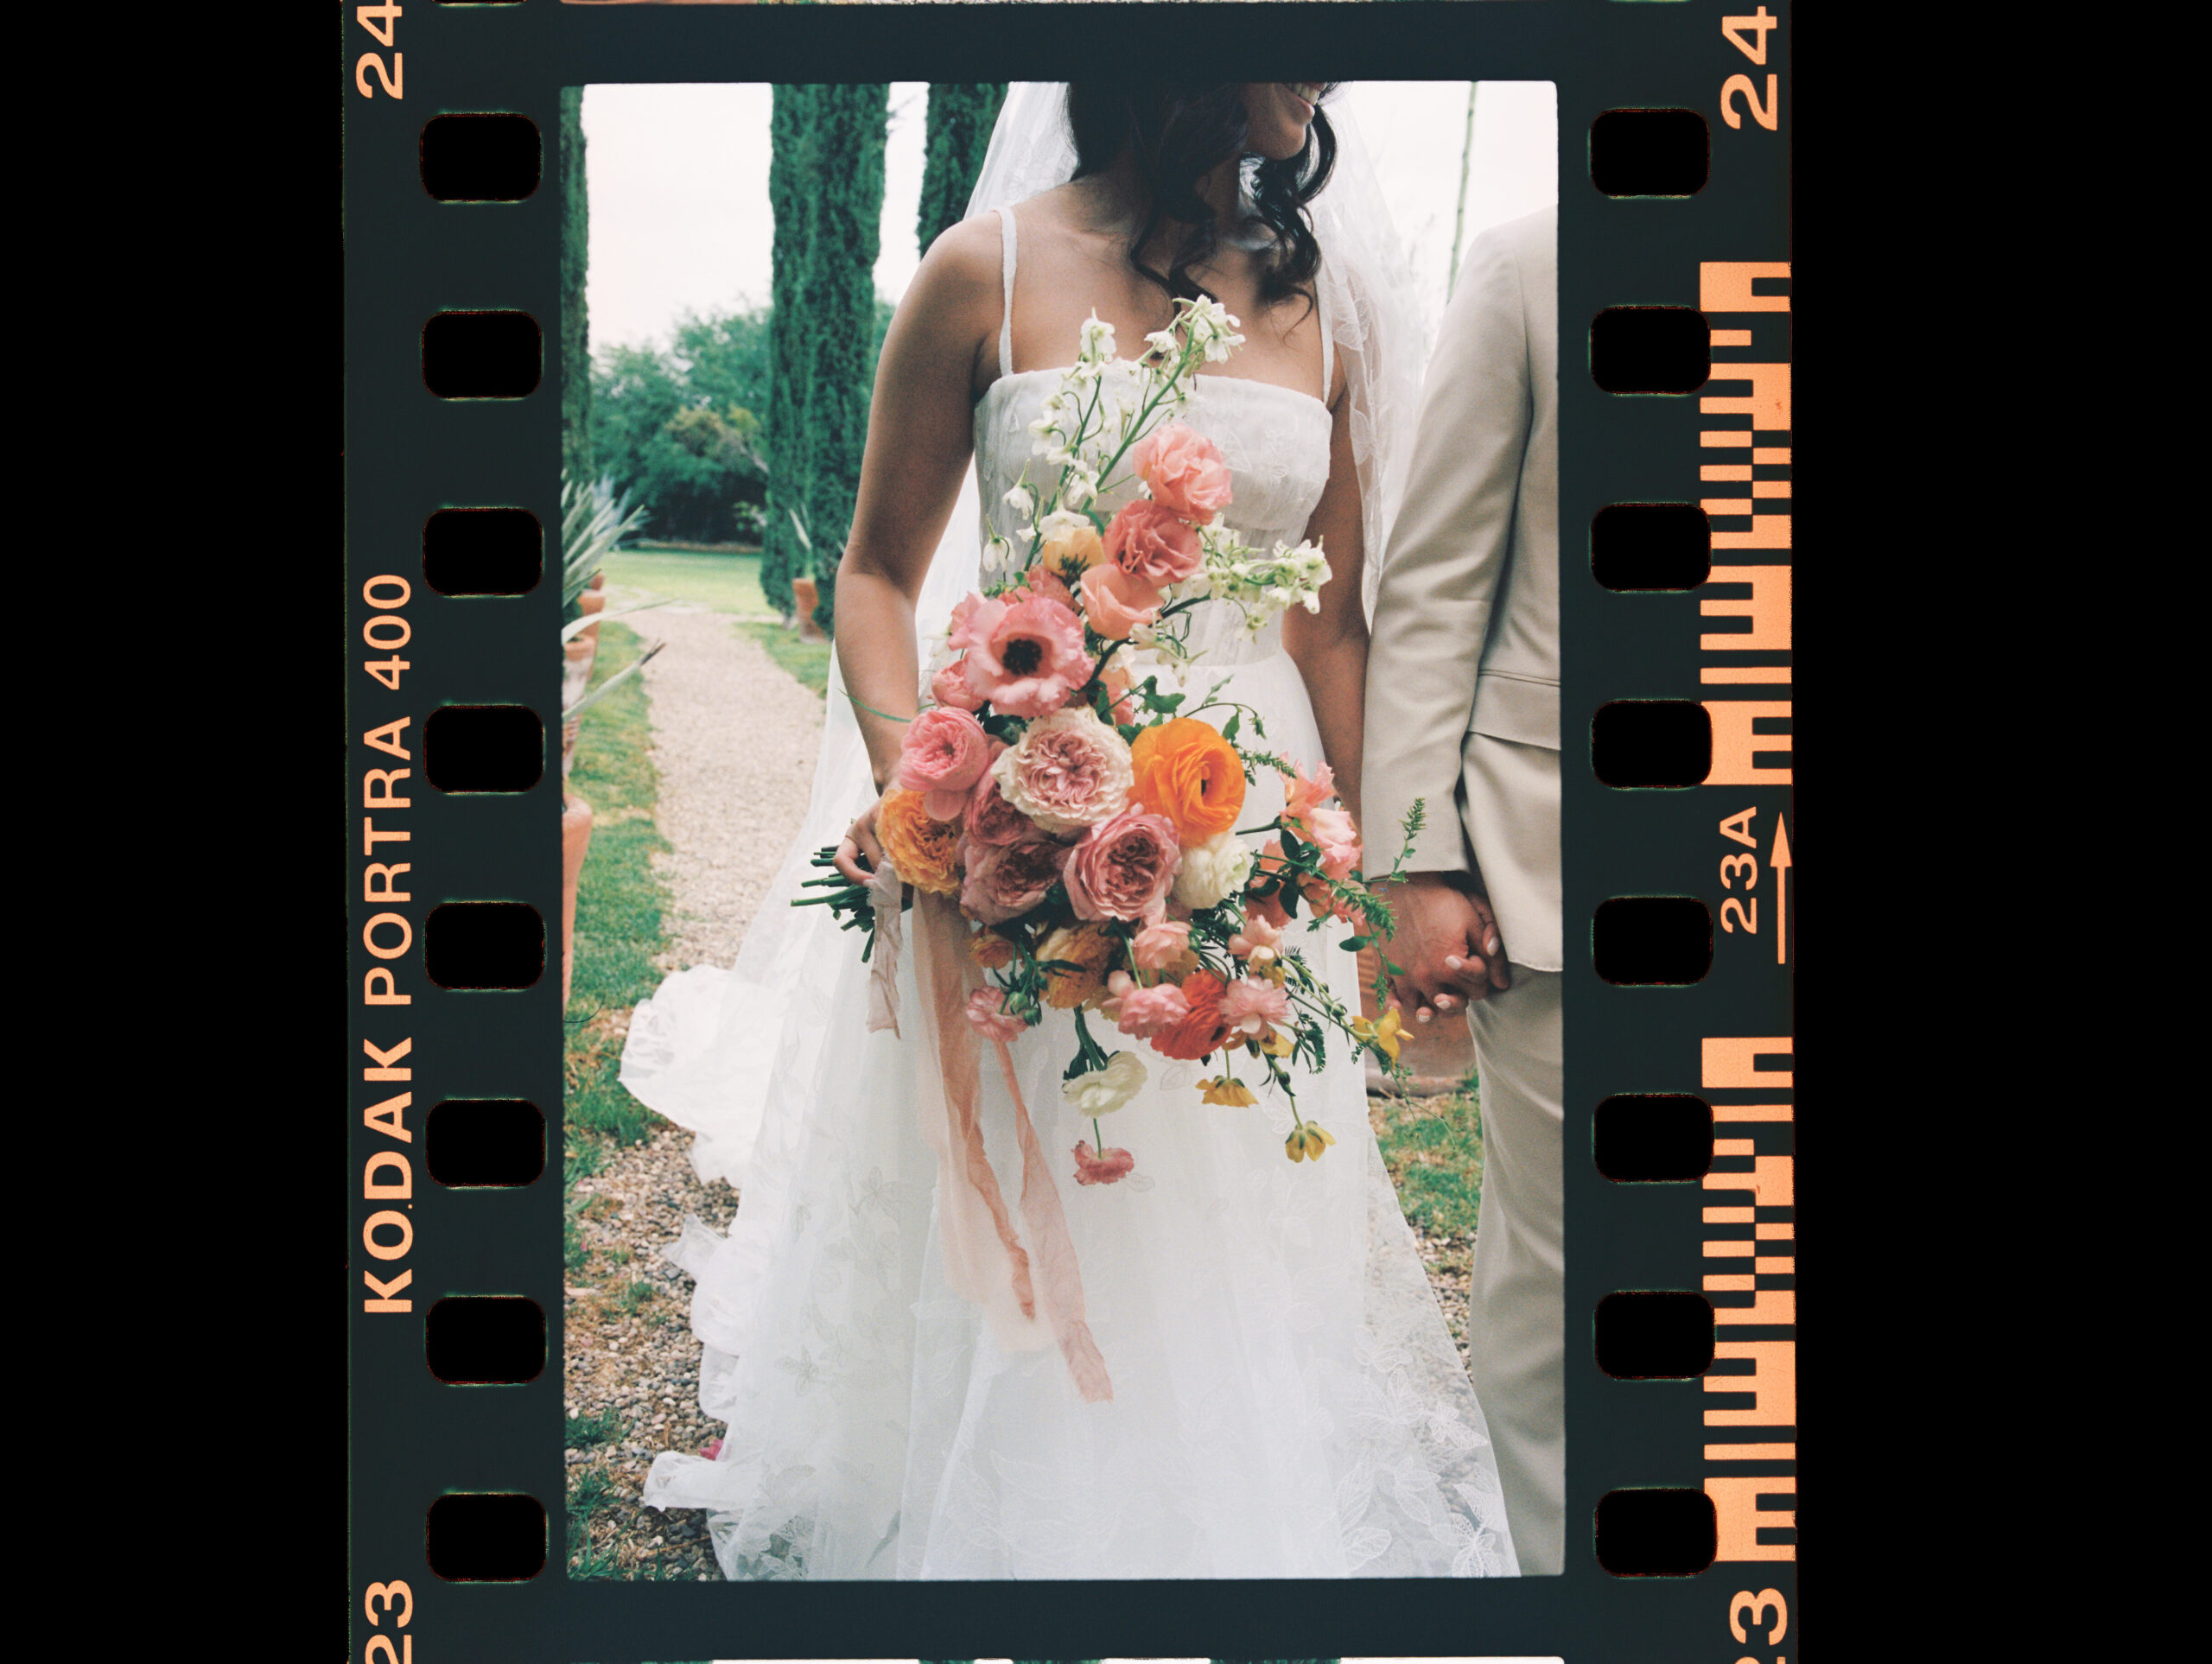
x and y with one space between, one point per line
1083 820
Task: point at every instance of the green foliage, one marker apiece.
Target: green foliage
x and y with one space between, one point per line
961 115
681 428
632 1299
594 519
602 1427
825 187
618 902
575 251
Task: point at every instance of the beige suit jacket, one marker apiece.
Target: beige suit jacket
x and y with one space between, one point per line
1463 666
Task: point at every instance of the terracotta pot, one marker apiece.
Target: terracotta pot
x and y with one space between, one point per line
569 730
806 595
575 839
590 602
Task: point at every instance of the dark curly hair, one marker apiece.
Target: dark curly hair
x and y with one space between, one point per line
1179 132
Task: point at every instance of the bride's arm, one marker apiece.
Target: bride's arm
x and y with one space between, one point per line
920 432
1330 647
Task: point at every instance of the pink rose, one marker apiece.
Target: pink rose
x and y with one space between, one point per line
1143 1011
1148 541
943 755
1069 771
991 819
1259 931
1303 793
1006 880
987 1010
1123 866
1249 1005
1185 471
1114 603
1041 582
1091 1168
1338 839
949 687
1158 946
1025 658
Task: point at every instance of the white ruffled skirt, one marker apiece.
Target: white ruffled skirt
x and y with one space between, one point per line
1286 1400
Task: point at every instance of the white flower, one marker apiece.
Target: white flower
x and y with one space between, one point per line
1017 499
1212 871
1097 339
1163 342
1059 523
1080 487
1104 1090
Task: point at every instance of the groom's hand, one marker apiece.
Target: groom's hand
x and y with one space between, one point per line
1445 943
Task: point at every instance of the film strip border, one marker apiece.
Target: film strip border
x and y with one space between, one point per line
451 514
1677 666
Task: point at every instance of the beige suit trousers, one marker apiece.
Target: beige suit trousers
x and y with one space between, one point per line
1516 1320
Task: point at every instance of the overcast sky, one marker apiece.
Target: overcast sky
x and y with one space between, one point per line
678 179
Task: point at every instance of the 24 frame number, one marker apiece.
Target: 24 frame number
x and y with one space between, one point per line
1748 35
382 23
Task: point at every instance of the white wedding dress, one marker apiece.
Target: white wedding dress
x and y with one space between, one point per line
1286 1400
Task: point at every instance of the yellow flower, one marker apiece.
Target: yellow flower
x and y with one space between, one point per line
1307 1141
1277 1044
1226 1090
991 949
1382 1035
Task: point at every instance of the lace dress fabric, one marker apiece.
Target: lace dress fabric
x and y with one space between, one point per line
1287 1401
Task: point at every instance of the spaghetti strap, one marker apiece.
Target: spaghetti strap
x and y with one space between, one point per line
1328 340
1006 310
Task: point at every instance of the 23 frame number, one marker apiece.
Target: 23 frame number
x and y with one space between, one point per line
1748 35
382 23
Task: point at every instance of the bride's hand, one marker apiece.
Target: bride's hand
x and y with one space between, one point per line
860 844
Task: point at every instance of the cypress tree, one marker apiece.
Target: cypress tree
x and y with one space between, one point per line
848 132
576 255
961 115
825 187
782 557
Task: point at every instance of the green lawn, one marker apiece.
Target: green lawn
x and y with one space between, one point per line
1433 1150
619 902
722 583
727 583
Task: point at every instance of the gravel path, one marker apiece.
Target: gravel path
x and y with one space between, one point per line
734 740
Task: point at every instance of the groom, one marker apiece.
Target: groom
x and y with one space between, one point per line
1463 711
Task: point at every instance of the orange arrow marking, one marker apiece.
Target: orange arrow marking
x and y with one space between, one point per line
1780 861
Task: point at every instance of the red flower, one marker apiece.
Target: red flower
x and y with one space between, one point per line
1093 1167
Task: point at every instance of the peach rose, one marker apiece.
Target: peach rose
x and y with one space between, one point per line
1251 1006
925 850
1122 867
1185 471
1159 947
942 755
1108 1168
949 687
1006 880
1114 603
1185 770
987 1010
991 819
1147 540
1143 1011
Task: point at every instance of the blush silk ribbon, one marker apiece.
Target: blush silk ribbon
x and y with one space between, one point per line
1028 1307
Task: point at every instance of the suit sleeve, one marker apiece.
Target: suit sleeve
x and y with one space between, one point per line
1445 563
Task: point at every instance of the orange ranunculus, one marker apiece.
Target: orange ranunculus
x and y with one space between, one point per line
1203 1030
926 852
1185 770
991 949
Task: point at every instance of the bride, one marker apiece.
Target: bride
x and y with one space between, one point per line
1285 1399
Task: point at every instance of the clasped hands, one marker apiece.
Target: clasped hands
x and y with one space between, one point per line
1445 941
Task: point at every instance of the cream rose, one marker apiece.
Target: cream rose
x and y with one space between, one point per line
1212 871
1070 771
1104 1090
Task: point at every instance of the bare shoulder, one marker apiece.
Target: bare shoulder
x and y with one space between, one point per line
960 273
